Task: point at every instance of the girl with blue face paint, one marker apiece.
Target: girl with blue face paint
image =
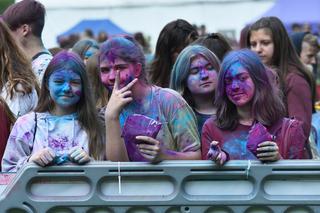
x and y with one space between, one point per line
64 126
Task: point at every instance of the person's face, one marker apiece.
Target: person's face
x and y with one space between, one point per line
239 86
202 77
308 53
65 87
261 42
108 70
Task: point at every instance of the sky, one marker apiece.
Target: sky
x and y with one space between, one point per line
149 17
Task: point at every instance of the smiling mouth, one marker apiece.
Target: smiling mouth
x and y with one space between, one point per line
206 84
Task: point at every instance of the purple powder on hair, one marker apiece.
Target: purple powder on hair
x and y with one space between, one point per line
258 134
138 125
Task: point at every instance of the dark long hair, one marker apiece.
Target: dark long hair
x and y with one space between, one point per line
267 106
173 38
284 54
87 114
215 42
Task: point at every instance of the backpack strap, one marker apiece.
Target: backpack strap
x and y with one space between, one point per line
35 129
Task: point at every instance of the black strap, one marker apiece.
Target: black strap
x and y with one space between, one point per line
40 53
35 128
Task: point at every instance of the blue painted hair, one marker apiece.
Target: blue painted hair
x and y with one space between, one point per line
267 105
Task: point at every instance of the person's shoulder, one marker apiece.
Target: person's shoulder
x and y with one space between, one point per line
294 79
211 123
169 95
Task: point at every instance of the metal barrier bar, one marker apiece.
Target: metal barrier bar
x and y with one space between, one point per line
289 186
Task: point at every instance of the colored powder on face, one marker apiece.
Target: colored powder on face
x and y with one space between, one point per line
78 93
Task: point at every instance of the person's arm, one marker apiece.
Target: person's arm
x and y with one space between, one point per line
299 101
115 145
18 149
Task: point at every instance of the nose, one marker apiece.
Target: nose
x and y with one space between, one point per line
235 86
203 74
67 87
257 48
112 75
313 60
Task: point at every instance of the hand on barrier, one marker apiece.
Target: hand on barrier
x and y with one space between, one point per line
119 97
216 154
150 148
43 157
268 151
78 155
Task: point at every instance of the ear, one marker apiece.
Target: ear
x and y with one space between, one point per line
137 70
25 29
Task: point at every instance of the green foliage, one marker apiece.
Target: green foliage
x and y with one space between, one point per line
4 4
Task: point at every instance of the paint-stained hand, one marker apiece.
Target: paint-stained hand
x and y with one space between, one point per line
119 97
216 154
268 151
150 148
78 155
43 157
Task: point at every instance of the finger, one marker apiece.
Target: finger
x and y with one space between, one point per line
148 147
148 157
126 94
267 143
129 85
51 153
148 152
79 156
44 159
267 154
148 139
39 162
214 143
267 149
273 158
116 83
85 159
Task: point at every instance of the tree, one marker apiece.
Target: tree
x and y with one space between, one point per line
4 4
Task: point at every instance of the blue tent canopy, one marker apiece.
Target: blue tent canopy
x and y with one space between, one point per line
96 25
296 11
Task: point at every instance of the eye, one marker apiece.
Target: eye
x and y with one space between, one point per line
243 77
209 67
266 43
227 80
58 81
104 69
121 67
253 44
75 82
194 71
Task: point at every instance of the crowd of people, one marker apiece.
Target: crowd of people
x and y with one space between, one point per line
196 98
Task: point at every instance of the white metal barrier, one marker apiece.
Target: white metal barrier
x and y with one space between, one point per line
168 187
